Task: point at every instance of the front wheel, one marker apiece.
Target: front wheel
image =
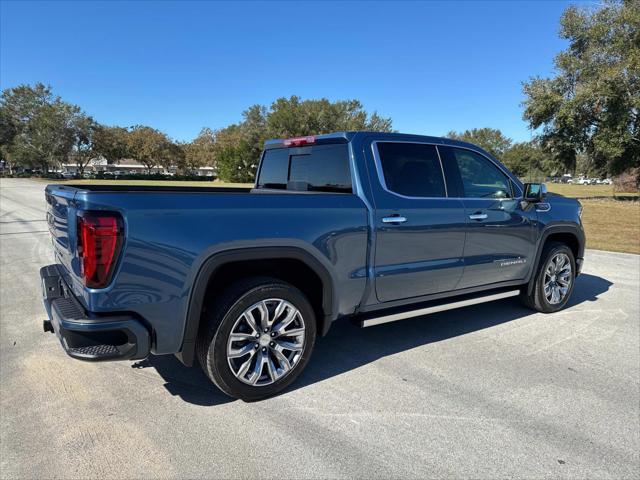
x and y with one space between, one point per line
257 337
554 280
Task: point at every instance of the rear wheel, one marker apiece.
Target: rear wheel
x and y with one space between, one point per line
257 338
554 280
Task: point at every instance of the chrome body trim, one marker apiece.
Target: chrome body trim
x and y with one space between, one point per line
398 219
543 207
438 308
380 173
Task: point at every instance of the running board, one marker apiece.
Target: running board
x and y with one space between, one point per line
437 308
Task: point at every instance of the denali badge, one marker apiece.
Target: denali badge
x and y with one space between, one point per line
510 262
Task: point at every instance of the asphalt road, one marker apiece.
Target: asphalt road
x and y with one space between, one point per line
484 392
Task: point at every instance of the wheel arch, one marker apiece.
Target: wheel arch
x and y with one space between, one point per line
567 233
219 263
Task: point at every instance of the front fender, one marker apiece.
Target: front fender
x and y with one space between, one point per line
553 228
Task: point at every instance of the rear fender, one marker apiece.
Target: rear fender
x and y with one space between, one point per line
216 261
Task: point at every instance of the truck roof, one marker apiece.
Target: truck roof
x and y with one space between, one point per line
348 136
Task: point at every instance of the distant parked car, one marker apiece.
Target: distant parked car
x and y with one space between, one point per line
583 181
566 178
68 175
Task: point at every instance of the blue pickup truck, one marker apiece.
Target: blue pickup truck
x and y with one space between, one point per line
374 227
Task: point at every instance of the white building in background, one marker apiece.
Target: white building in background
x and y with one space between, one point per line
130 167
206 172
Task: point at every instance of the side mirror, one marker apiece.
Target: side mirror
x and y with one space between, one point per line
534 192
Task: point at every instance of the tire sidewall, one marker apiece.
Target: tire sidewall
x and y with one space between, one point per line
546 305
217 355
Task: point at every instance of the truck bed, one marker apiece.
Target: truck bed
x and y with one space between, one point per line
170 231
151 188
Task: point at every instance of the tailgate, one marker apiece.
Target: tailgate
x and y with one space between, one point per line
61 218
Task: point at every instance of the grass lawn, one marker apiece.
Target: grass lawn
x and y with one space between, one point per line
585 191
609 224
612 225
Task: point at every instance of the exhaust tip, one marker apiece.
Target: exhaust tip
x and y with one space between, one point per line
47 327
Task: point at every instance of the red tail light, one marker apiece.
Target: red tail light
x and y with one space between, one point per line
297 141
99 243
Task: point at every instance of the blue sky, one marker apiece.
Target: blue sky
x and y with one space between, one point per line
180 66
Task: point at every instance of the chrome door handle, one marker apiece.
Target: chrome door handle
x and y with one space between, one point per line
478 216
396 219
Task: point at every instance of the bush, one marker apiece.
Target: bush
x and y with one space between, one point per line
627 181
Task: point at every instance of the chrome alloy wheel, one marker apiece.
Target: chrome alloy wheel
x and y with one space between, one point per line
557 278
266 342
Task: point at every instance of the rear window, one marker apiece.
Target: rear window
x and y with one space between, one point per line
318 168
274 169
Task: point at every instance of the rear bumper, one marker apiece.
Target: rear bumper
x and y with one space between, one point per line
87 336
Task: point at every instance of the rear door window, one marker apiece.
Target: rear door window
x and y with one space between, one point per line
412 169
317 168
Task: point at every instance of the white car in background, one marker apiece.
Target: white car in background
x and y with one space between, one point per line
566 178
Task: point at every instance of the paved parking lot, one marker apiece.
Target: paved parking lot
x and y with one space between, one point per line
488 391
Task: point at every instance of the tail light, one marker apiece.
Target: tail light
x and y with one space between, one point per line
99 243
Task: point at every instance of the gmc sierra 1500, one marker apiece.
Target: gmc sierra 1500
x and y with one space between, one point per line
372 226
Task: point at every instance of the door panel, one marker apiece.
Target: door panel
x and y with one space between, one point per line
499 247
422 254
500 235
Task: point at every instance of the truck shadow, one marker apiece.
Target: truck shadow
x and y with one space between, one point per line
348 347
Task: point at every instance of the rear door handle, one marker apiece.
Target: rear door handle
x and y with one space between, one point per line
394 219
478 216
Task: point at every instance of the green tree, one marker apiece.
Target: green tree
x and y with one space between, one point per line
38 126
172 155
592 104
236 158
148 146
83 131
110 143
528 161
8 132
490 139
237 162
238 146
201 151
290 117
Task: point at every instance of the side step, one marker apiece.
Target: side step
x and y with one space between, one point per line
438 308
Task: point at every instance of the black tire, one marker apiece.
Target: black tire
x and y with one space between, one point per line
219 319
537 299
